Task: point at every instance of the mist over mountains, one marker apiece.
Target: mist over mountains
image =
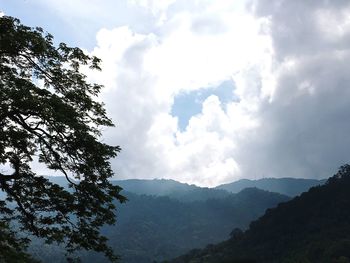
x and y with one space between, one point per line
287 186
190 192
164 219
185 192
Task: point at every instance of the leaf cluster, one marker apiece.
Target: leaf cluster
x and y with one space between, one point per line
49 113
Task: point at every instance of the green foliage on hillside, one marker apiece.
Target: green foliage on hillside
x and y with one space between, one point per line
156 228
311 228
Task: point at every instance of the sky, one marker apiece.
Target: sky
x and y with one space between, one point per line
210 92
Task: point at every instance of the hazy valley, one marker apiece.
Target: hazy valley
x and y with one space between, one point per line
163 219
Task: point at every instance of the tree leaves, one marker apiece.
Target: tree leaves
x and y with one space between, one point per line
48 110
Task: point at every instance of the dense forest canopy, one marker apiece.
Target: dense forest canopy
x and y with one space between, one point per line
49 113
155 228
312 228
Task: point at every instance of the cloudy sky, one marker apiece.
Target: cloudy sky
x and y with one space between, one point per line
208 92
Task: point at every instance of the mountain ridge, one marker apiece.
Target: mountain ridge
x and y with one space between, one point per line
151 227
284 185
312 228
168 187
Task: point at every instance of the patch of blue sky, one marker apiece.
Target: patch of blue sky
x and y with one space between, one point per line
77 24
32 15
189 104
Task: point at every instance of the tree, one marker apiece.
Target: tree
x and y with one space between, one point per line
49 113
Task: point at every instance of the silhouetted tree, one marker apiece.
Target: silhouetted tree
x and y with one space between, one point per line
48 112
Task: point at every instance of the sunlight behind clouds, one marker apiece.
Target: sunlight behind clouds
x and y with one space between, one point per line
145 73
287 112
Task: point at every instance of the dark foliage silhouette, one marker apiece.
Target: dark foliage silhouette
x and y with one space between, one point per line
48 113
313 227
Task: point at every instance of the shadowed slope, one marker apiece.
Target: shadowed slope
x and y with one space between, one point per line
314 227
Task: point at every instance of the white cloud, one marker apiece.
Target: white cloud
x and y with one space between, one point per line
333 24
303 128
157 8
185 60
144 72
289 63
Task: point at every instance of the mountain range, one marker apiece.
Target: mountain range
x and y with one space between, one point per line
312 228
287 186
164 218
168 221
165 187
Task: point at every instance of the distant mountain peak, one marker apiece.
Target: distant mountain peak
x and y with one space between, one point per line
286 186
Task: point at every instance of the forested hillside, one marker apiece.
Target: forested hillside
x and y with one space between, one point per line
156 228
314 227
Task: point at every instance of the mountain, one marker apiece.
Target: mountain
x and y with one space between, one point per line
313 227
158 227
188 193
171 188
287 186
160 187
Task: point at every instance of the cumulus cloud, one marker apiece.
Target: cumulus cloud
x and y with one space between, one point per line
143 73
303 128
289 64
